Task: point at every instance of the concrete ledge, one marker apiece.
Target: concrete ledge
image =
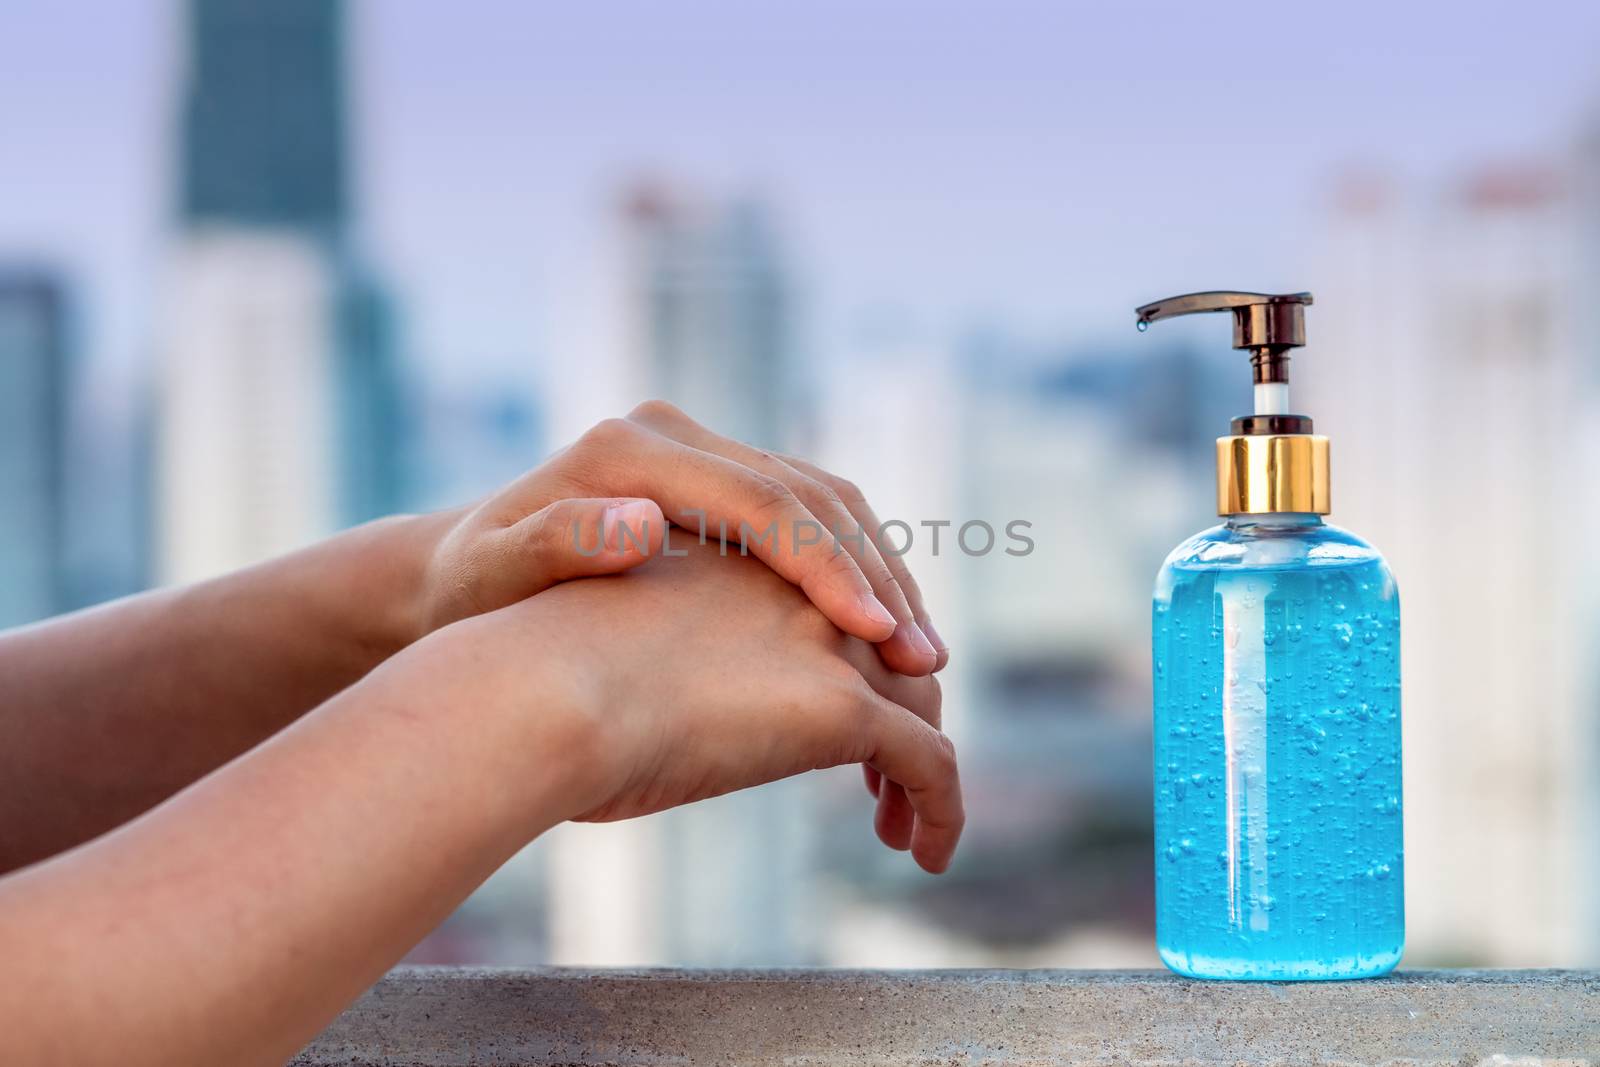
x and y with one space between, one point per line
437 1017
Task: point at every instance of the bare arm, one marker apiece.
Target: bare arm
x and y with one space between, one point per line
107 712
235 920
230 923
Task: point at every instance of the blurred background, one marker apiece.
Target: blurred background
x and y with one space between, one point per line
271 268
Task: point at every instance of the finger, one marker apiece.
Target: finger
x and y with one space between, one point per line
922 695
703 492
855 502
577 539
907 649
893 819
909 752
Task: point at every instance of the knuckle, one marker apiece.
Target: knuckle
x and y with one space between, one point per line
847 491
905 582
608 434
606 449
818 496
825 495
607 439
944 754
798 464
460 580
840 563
850 714
769 497
656 411
865 706
539 531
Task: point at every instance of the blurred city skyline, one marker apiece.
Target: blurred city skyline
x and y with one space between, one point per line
1030 165
908 241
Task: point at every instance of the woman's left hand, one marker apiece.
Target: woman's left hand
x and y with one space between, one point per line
602 505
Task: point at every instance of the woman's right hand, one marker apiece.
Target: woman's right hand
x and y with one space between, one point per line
684 679
230 923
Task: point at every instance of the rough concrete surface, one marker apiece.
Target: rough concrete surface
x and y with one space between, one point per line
446 1016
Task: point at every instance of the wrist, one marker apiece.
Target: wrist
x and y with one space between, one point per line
528 704
398 554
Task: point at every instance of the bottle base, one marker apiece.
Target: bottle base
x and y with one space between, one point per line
1241 969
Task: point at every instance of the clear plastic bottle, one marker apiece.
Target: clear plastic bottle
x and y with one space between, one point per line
1276 648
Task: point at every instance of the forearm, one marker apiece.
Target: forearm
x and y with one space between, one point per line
234 921
106 712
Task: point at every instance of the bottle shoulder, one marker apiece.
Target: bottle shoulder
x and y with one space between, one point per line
1270 547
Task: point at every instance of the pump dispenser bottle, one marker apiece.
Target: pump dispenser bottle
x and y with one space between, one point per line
1276 649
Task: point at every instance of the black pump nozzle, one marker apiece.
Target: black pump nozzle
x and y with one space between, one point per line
1265 324
1268 326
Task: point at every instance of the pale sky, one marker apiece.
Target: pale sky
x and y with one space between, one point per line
1042 165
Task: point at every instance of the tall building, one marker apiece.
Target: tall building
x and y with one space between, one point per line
709 306
370 418
264 116
247 436
279 401
1450 368
33 412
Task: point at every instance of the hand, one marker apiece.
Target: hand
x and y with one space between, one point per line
602 506
688 678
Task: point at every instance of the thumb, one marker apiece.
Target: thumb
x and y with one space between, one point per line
580 538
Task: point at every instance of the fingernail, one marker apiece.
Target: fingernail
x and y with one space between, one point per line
873 608
634 516
919 641
933 635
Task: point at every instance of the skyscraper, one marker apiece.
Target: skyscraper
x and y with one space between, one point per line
264 115
368 388
709 301
1452 372
279 397
32 438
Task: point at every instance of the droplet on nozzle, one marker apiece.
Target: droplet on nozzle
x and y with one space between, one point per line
1143 324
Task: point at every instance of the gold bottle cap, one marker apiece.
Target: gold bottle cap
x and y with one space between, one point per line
1262 473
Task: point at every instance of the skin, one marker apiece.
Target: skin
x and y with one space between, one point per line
233 921
105 713
213 799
